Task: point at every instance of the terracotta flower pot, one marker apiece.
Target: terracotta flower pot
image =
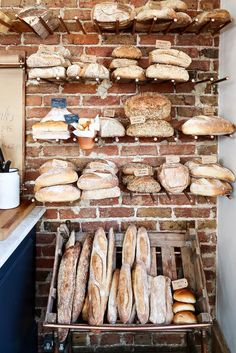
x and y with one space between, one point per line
86 143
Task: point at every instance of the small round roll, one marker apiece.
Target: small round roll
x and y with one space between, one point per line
184 296
178 307
185 317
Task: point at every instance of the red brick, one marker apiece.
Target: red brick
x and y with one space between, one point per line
179 149
33 100
80 39
192 212
154 212
192 39
110 339
61 3
36 112
77 213
70 14
10 39
95 100
93 226
149 225
176 225
70 88
151 40
142 200
138 150
116 212
31 38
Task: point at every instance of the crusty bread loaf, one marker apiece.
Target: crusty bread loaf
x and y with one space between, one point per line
100 194
112 302
97 278
6 19
170 57
127 179
51 135
56 177
184 317
109 270
56 164
208 125
177 307
116 63
131 168
146 184
174 177
102 165
220 16
50 126
184 296
158 300
82 277
162 14
176 5
110 127
93 71
131 72
66 287
182 18
151 128
143 249
141 292
73 71
193 163
51 72
45 59
129 245
97 180
125 294
212 170
150 105
85 310
167 72
127 52
58 193
210 187
169 302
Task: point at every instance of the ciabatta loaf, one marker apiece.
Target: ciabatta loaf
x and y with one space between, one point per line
58 193
174 177
112 302
210 187
56 164
151 128
100 194
131 72
170 57
158 300
110 127
116 63
167 72
212 170
56 177
208 125
146 184
97 180
143 249
127 52
125 294
129 245
51 72
141 292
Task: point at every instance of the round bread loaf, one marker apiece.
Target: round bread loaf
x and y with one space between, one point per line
93 71
167 72
210 187
58 193
185 317
131 72
208 125
127 52
177 307
146 184
56 164
131 168
174 177
170 57
184 296
212 170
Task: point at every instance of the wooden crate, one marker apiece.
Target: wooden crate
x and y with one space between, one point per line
175 255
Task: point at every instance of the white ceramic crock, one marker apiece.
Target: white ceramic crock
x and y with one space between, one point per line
9 189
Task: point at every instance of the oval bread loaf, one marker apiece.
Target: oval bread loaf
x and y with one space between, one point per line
100 194
129 245
112 301
208 125
151 128
56 164
213 170
177 307
143 249
141 292
184 296
97 180
131 72
131 168
116 63
58 193
56 177
125 294
127 52
170 57
210 187
167 72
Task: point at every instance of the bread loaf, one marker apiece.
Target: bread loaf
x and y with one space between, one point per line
125 294
133 167
73 71
212 170
184 317
143 249
151 128
150 105
170 57
45 59
50 126
97 278
56 164
66 287
177 307
210 187
146 184
220 17
116 63
85 310
93 71
56 177
208 125
58 193
169 302
110 127
133 314
147 14
141 293
109 270
51 72
129 245
184 296
127 179
4 29
158 300
176 5
112 302
174 177
167 72
82 278
100 194
182 18
127 52
97 180
131 72
102 165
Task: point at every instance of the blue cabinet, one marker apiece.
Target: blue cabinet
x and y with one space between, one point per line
18 333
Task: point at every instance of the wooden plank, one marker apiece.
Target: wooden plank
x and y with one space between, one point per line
219 344
168 262
153 270
188 267
10 219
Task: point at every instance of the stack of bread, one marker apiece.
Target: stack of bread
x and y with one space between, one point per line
53 125
49 62
168 64
125 64
87 68
99 181
183 307
56 182
174 177
210 179
149 114
138 177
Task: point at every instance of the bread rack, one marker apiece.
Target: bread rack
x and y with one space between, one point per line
174 254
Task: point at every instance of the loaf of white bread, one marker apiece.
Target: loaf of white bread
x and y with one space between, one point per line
170 57
111 127
174 177
51 130
208 125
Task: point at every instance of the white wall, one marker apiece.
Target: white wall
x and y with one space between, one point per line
226 272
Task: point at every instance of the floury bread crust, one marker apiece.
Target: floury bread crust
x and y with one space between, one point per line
56 177
174 177
170 57
58 193
208 125
167 72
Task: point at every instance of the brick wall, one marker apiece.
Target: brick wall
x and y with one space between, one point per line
82 99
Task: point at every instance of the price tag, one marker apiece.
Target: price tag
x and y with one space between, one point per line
209 111
137 120
209 159
137 159
109 113
172 159
71 118
88 58
163 44
180 284
141 172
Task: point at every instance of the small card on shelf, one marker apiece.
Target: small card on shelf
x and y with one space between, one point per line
209 159
109 113
180 284
172 159
137 120
141 172
163 44
209 111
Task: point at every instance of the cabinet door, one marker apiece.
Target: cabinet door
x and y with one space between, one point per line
17 293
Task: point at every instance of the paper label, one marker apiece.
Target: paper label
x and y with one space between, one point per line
141 172
88 58
209 159
137 159
70 118
209 111
109 113
163 44
100 166
180 283
172 159
137 120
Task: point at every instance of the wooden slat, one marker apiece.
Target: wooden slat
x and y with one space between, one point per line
188 267
153 271
168 261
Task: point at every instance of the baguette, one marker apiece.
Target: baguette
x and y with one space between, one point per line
100 194
56 177
127 52
133 314
58 193
97 180
56 164
112 302
125 294
210 187
129 245
151 128
143 249
141 293
158 300
167 72
82 277
170 57
208 125
212 170
66 287
109 272
174 177
85 310
146 184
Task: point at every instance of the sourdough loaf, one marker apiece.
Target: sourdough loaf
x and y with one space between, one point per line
210 187
182 18
100 194
212 170
167 72
93 71
45 59
73 71
174 177
129 245
97 180
133 167
51 72
176 5
102 165
56 177
147 14
208 125
131 72
127 52
58 193
170 57
151 128
56 164
146 184
116 63
141 292
112 302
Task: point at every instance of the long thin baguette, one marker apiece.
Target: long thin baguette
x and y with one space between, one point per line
112 302
143 249
141 292
158 300
125 294
110 259
129 245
